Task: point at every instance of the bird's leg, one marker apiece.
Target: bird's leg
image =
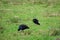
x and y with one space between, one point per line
22 32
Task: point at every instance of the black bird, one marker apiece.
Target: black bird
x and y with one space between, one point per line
36 21
23 27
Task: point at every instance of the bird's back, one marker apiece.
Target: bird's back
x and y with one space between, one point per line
23 27
36 21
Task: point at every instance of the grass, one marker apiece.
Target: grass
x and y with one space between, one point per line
25 13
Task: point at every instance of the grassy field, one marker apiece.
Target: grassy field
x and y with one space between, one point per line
12 15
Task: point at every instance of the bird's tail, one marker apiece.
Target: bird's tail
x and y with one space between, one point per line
38 23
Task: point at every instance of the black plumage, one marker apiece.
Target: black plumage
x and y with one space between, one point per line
36 21
23 27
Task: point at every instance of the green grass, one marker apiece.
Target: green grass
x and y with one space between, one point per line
25 13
